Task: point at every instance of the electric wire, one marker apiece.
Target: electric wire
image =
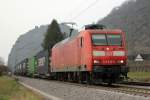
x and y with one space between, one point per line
84 10
73 10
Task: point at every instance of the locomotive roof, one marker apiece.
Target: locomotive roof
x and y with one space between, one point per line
61 42
89 31
104 30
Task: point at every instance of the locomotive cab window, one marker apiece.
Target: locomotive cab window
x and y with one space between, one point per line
99 39
114 39
107 39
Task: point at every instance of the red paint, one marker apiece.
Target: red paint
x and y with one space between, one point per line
69 53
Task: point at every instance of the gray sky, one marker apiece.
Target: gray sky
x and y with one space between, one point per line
19 16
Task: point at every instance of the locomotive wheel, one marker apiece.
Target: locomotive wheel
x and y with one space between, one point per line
89 78
65 76
109 83
80 77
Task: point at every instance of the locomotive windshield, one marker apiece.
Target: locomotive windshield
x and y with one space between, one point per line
99 39
114 39
107 39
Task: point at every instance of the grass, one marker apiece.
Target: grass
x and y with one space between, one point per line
11 90
139 76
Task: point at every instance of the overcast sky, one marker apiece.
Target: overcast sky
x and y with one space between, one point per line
19 16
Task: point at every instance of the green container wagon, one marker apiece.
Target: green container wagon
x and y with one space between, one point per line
32 67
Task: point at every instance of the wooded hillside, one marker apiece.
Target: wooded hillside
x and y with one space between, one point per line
133 17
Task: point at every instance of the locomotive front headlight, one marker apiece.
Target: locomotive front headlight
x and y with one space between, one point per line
96 61
98 53
118 53
122 61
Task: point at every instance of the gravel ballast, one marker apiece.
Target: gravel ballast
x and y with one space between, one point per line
73 92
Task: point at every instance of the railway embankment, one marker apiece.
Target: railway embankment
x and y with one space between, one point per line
10 89
66 91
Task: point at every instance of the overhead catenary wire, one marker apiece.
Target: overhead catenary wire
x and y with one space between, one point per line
81 12
77 7
84 10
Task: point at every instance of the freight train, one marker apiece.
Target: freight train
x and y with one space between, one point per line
36 66
94 55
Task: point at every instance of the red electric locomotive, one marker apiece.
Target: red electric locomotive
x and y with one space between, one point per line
95 55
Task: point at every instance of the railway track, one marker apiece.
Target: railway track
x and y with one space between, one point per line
121 88
131 89
137 83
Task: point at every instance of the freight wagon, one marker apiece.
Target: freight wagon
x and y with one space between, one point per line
43 64
32 67
21 68
24 65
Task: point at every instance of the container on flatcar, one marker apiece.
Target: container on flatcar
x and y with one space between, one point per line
16 72
24 65
21 68
18 69
42 64
32 67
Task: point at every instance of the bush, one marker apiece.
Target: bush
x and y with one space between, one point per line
3 70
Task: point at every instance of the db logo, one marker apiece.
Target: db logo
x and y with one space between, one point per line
109 53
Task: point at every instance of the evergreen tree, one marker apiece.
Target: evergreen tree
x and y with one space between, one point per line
52 36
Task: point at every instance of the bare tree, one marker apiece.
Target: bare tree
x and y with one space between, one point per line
2 66
1 61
